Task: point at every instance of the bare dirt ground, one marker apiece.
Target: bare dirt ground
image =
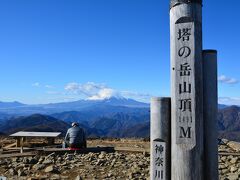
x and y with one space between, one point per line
132 143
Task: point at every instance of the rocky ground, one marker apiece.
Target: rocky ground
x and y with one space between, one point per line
229 165
76 166
105 165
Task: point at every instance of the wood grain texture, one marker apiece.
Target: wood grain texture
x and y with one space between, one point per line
187 159
210 114
161 131
185 86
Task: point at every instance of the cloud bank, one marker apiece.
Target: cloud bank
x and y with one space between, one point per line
99 91
229 100
227 80
91 90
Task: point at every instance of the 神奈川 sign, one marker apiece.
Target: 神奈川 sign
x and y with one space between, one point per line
159 160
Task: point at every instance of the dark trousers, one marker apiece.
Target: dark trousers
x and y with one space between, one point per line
80 145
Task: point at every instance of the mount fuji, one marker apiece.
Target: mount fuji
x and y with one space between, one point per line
16 108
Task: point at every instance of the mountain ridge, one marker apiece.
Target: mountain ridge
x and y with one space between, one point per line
51 108
111 118
117 124
35 122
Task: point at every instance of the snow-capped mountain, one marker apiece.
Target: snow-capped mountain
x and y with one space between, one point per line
22 109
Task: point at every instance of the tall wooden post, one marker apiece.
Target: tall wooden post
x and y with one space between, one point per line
160 139
186 89
210 114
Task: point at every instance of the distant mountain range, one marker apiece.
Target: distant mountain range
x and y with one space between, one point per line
107 118
16 108
10 104
115 124
111 125
36 122
222 106
100 118
229 123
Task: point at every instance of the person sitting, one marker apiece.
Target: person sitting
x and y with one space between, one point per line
75 137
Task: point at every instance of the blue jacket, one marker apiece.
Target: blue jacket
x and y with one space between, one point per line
75 135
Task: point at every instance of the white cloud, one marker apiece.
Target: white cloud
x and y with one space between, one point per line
72 87
227 80
53 92
36 84
49 86
95 91
229 100
104 93
88 89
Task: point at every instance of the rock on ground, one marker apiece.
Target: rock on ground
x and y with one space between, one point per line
103 165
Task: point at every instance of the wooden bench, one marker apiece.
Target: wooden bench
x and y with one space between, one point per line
22 135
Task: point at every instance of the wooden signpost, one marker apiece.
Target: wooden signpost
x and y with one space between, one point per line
183 76
186 87
160 138
210 105
193 108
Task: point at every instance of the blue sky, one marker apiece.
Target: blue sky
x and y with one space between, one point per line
63 50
